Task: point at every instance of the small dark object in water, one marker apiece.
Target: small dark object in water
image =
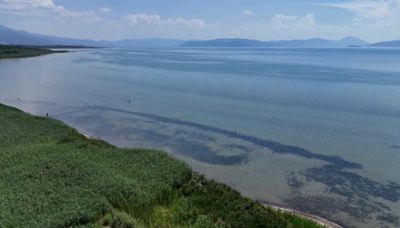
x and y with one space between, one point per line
47 114
396 147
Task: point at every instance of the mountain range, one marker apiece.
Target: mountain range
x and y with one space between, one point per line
308 43
19 37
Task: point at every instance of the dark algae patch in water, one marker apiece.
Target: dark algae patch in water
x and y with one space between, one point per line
395 147
348 183
276 147
181 142
52 176
354 194
205 154
349 192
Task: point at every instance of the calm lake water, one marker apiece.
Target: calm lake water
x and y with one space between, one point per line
317 130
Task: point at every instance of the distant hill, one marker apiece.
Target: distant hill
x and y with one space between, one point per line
151 42
393 43
308 43
17 37
236 42
352 41
11 36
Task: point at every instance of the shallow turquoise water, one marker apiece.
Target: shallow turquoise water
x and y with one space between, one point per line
310 106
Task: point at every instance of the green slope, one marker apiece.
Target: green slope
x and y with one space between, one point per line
51 176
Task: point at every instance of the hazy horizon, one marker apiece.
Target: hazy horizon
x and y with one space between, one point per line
178 39
371 20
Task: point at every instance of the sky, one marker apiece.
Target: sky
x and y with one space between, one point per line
371 20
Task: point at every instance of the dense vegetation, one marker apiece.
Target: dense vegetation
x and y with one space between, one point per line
51 176
15 51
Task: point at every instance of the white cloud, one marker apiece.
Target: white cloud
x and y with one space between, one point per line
248 12
87 16
375 18
105 10
285 21
46 8
25 5
143 19
155 19
368 8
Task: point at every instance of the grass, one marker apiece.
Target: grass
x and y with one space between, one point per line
51 176
16 51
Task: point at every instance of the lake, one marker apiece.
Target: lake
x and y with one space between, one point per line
316 130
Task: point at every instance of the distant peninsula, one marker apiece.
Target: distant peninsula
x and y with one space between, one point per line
393 44
17 51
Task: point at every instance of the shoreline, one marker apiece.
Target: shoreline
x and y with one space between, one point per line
31 56
315 218
78 165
